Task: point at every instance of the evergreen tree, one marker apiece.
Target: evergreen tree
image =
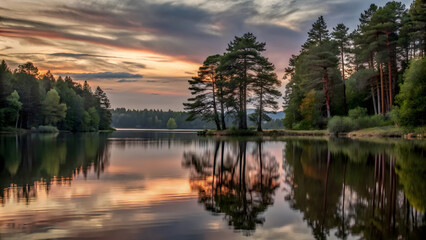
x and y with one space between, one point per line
317 34
103 109
265 91
239 64
5 83
171 123
341 37
206 93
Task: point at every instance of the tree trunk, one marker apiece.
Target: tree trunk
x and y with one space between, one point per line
216 116
17 119
326 92
343 80
241 110
244 125
381 89
390 83
378 97
222 108
259 122
222 116
374 100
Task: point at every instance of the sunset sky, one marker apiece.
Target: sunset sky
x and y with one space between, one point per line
142 52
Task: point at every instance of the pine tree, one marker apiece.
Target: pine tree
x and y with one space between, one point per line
103 109
265 91
340 36
206 93
239 64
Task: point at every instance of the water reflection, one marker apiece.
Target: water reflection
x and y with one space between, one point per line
165 185
356 188
237 179
32 163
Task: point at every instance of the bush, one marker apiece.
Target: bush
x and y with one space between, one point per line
47 129
346 124
302 125
412 96
357 112
339 124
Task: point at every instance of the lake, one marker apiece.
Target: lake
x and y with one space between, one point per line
151 184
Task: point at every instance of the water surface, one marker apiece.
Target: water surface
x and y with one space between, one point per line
146 184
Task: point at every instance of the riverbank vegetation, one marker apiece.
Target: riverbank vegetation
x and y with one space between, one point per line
40 102
378 72
343 81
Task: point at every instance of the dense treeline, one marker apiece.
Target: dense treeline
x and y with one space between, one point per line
30 100
227 84
364 71
158 119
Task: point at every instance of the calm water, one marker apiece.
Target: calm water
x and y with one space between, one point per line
175 185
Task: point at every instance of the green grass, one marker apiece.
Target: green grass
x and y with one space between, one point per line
388 131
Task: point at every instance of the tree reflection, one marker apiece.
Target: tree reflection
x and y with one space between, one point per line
33 162
238 179
376 191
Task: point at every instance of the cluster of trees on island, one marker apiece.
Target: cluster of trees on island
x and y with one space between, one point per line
379 69
227 83
32 100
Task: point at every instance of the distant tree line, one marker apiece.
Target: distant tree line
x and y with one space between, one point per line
29 99
159 119
378 68
226 85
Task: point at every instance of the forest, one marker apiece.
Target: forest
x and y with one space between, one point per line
159 119
340 80
30 100
374 75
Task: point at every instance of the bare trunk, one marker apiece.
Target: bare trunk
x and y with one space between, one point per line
326 92
374 100
390 83
259 122
216 116
378 97
343 80
17 119
381 89
244 120
222 110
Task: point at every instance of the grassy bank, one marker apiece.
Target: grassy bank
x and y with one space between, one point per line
375 132
388 131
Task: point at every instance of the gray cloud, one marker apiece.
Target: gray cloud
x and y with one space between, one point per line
185 31
74 55
127 80
102 75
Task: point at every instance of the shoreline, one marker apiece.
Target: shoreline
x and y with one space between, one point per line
383 132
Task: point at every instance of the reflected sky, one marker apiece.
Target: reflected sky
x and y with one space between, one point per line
144 190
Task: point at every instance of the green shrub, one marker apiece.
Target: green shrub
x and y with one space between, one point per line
47 129
357 112
302 125
339 124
